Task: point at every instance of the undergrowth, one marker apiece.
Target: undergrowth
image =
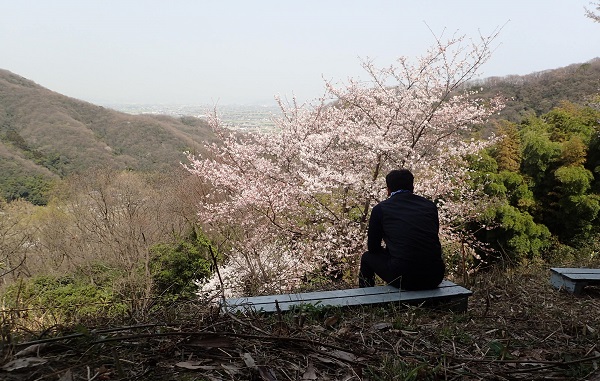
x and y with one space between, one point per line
517 327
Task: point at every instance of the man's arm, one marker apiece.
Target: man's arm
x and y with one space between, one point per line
375 233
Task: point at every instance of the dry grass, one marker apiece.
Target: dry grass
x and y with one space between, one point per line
517 328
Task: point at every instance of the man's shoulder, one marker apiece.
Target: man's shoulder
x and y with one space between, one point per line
398 199
416 199
377 207
423 199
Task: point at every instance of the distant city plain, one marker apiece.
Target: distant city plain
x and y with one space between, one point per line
232 116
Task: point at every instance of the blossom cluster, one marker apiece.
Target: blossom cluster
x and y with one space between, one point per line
297 197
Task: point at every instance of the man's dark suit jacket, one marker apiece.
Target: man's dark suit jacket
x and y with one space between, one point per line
409 226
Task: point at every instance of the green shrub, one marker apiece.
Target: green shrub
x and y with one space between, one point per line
33 189
63 300
178 268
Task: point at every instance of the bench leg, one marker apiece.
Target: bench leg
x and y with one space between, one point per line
560 282
578 289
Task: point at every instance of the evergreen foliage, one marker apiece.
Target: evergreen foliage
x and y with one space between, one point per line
178 268
33 189
507 151
550 199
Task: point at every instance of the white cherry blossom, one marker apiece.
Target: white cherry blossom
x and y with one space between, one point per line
297 198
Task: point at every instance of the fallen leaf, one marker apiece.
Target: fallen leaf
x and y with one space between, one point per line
68 376
249 360
337 357
331 321
195 365
231 369
103 370
31 350
343 355
405 332
536 354
310 373
26 362
344 331
382 326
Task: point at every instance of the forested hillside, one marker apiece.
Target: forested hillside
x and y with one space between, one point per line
148 246
537 93
45 135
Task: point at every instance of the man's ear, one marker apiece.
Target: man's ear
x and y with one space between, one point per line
388 191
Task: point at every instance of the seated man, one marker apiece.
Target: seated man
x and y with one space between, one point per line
409 225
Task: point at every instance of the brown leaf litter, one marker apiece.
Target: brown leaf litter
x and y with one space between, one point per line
517 327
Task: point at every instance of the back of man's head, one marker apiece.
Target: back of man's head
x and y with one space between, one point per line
400 179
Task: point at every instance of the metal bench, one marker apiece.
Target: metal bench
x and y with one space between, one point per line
448 295
574 279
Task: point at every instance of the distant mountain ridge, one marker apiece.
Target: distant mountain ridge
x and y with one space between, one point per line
539 92
45 135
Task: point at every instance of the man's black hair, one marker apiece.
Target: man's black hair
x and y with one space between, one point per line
400 179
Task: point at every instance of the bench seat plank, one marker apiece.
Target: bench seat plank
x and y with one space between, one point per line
575 270
588 276
574 279
446 292
324 295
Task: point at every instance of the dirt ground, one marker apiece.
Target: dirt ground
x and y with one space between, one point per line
517 327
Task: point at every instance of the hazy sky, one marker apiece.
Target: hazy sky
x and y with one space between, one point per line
227 51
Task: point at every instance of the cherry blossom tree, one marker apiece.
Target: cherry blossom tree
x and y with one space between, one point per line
593 15
296 199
